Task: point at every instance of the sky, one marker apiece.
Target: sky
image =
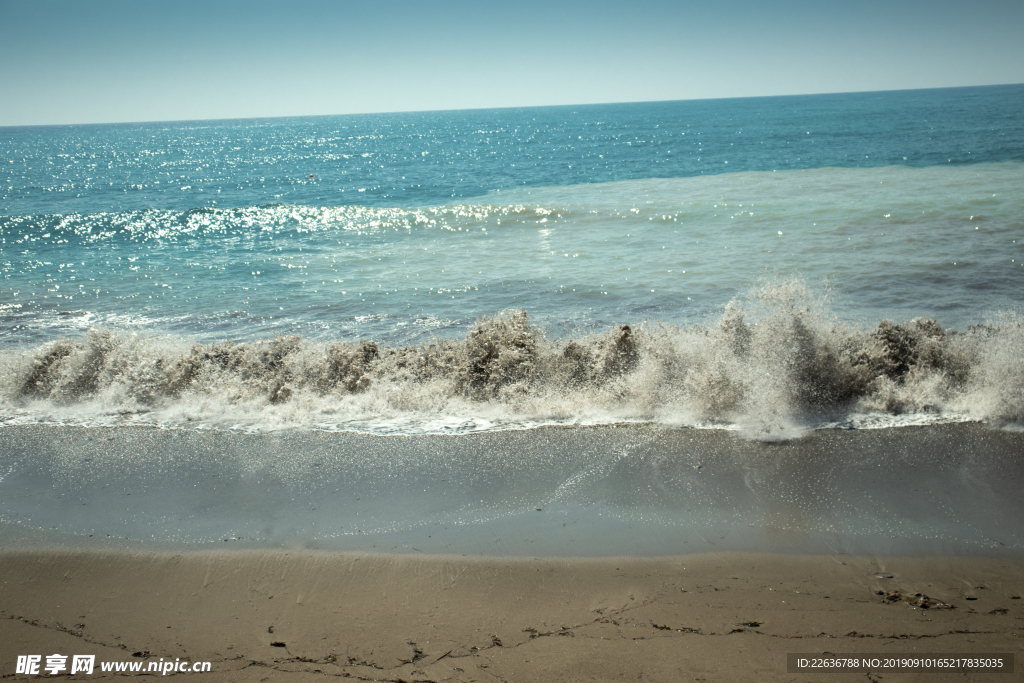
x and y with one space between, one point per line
99 61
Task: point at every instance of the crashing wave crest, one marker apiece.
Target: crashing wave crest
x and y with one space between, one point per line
774 363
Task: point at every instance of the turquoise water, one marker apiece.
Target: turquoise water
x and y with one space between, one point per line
368 272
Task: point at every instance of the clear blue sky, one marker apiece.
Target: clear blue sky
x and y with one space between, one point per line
144 60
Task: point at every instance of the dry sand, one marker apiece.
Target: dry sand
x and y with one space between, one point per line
304 616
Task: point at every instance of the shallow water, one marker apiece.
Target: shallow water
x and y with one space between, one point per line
625 490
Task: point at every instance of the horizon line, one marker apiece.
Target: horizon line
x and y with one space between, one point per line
532 106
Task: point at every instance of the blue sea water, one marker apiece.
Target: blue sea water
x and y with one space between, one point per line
457 271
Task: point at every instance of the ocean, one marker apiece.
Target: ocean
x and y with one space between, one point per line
834 260
776 268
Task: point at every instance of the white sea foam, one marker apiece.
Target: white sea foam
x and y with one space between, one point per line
774 364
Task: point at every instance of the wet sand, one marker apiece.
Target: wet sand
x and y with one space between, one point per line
276 615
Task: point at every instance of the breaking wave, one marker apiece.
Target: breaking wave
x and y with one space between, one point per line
773 364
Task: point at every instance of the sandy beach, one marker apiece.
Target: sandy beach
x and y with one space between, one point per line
308 554
299 616
499 556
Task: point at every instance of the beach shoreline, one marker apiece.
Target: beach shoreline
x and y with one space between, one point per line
552 554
